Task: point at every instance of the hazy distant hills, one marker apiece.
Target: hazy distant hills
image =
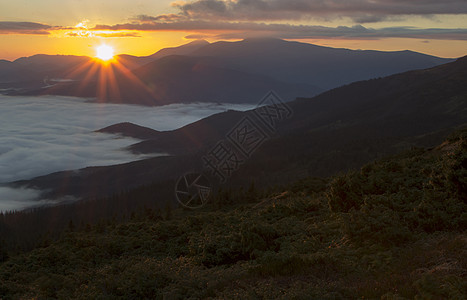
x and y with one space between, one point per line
323 67
35 71
337 130
237 72
40 70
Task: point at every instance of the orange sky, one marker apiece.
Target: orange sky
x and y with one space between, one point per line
141 27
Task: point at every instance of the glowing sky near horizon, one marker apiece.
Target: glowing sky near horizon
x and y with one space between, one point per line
141 27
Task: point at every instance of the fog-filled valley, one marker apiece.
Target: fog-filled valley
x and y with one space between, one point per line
42 135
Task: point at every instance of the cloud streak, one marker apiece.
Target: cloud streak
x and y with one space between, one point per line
236 30
31 28
101 34
24 28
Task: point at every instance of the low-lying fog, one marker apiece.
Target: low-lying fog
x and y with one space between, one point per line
41 135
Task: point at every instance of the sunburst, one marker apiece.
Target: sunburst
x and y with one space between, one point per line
105 52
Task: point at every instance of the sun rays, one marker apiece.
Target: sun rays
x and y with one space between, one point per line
108 78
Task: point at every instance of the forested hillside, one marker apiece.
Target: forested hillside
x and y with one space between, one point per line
396 228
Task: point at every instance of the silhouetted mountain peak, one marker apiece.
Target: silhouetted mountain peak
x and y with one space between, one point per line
263 40
181 50
198 42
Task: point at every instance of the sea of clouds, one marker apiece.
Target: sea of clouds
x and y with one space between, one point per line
41 135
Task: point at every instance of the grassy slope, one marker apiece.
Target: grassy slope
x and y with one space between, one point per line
396 228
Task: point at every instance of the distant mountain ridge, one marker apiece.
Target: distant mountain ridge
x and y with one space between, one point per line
325 67
236 72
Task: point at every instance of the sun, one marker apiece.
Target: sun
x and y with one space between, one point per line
104 52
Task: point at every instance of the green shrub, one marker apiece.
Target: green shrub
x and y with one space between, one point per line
281 264
432 286
345 193
376 224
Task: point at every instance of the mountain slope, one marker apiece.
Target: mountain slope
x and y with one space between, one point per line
335 131
190 80
420 98
406 104
377 232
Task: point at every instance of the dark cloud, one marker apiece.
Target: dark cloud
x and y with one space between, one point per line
163 18
186 25
247 18
236 30
362 10
240 18
24 28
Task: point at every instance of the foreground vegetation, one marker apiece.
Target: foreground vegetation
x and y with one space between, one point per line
394 229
